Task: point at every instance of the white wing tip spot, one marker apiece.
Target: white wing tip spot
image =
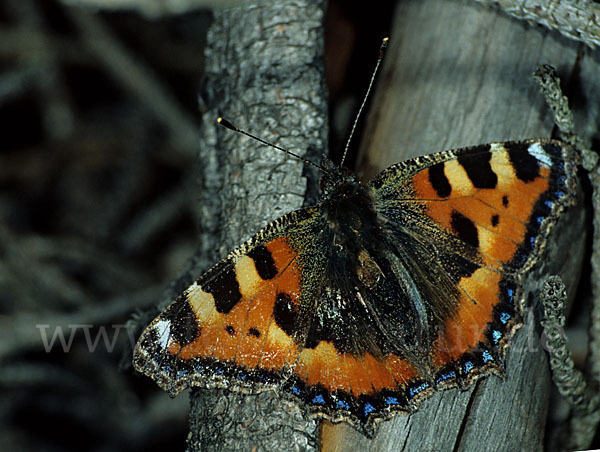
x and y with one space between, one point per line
163 329
537 151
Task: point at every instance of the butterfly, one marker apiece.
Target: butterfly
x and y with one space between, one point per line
363 305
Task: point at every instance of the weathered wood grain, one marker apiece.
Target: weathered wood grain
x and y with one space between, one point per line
457 74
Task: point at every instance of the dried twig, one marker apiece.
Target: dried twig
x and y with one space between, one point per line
575 19
57 114
584 399
138 79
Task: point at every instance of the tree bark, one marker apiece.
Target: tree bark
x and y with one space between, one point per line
265 74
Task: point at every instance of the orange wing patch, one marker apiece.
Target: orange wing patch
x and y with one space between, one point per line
327 367
464 330
246 334
486 189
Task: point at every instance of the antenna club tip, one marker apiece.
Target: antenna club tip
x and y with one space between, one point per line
384 44
225 123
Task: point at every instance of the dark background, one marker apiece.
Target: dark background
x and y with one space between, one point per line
96 174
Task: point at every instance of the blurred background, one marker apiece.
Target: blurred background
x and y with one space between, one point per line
99 114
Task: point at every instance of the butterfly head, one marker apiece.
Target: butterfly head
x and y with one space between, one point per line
338 182
348 204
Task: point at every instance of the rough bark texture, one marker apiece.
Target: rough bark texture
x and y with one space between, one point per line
576 19
265 73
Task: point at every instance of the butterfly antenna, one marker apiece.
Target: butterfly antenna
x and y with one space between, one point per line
225 123
384 44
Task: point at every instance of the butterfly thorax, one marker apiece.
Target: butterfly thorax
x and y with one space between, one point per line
359 244
348 207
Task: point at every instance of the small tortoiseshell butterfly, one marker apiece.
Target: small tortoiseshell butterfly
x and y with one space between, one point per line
364 304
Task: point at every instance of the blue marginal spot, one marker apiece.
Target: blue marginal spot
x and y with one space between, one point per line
487 356
559 193
511 294
520 258
549 204
496 336
262 378
389 400
532 240
318 399
505 317
469 366
181 373
446 376
414 391
242 376
296 390
539 220
342 404
368 408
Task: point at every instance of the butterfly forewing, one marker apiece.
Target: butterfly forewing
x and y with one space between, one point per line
237 321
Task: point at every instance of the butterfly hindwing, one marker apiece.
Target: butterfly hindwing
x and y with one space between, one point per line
364 304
